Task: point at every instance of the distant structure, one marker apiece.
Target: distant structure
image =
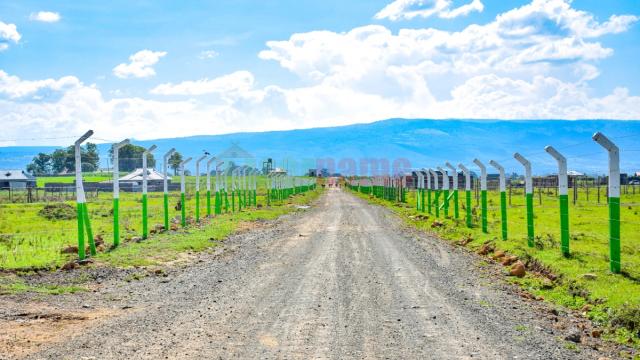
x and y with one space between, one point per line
16 179
278 171
153 177
267 166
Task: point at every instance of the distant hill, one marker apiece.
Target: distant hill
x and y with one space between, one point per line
424 143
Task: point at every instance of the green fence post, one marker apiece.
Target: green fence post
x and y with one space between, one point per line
529 196
87 225
483 194
209 185
428 175
437 192
80 218
614 200
563 187
445 189
208 203
183 210
165 182
418 197
183 202
145 176
145 225
219 188
116 221
468 202
80 196
456 210
198 185
115 149
445 204
503 198
467 188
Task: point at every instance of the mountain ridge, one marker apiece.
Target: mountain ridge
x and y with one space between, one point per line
422 142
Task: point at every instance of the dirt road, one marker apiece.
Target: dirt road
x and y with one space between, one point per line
342 280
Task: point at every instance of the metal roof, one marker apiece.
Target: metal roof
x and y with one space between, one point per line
136 175
15 175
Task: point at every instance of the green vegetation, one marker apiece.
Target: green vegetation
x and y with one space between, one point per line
69 179
584 281
12 285
64 160
130 157
37 236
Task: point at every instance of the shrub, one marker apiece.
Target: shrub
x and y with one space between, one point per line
59 211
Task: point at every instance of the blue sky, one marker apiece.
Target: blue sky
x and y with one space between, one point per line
210 67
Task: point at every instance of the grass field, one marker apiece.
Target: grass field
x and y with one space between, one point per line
28 240
611 299
69 179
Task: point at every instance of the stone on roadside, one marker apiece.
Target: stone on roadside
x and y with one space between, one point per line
508 260
485 249
518 269
70 266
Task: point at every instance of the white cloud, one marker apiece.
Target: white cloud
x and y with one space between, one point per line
530 20
208 54
491 96
140 65
409 9
8 32
13 87
237 82
536 61
539 38
45 16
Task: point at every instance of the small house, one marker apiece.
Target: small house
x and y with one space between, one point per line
153 177
16 179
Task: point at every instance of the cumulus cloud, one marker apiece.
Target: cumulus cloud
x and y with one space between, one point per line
140 65
530 20
12 87
409 9
535 61
8 33
45 16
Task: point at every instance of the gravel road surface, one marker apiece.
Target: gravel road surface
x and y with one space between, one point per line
341 280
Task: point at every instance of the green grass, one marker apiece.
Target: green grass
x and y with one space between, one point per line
27 240
69 179
608 295
11 286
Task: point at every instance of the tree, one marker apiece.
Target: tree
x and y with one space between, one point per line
130 157
40 165
58 161
65 159
174 162
90 158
